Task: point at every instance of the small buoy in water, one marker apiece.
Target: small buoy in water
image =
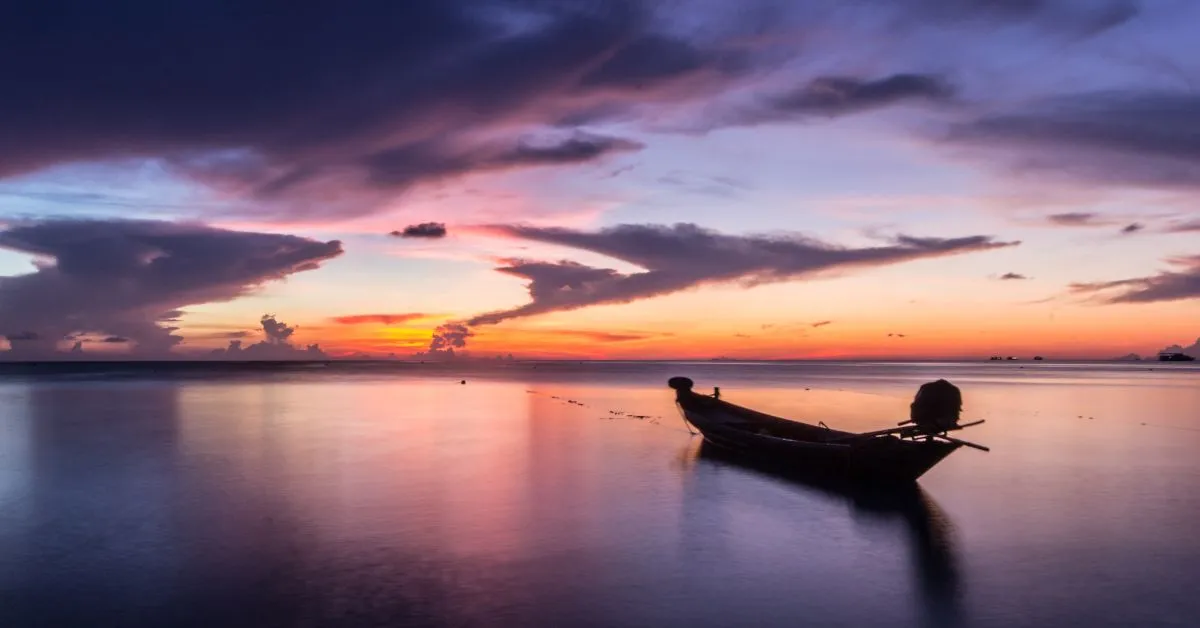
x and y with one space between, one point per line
463 382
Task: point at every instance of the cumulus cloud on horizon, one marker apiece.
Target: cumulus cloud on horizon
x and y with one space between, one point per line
684 256
1192 350
445 339
275 345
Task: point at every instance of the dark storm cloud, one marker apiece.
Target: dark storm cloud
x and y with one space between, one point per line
1138 138
1173 285
1012 277
684 256
264 99
127 278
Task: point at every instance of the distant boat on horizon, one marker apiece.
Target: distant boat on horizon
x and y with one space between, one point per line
1174 356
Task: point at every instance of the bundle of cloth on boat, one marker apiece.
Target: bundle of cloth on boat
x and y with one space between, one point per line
936 407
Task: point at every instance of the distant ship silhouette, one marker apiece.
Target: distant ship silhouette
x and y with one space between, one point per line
1174 356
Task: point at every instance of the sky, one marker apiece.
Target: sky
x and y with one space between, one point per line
587 179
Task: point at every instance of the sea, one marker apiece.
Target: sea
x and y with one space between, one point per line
574 494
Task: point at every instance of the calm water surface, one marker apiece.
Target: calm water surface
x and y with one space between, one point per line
379 496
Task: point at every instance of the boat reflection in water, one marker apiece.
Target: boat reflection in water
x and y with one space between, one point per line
932 552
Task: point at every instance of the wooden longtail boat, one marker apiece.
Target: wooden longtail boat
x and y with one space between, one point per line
894 456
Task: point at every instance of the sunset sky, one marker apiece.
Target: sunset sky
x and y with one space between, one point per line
600 179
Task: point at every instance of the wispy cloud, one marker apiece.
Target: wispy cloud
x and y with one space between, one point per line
1184 227
1077 219
599 336
423 230
1111 138
380 319
684 256
1173 285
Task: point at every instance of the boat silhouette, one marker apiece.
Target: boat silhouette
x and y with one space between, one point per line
894 456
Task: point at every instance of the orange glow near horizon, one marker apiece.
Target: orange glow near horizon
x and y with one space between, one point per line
1066 336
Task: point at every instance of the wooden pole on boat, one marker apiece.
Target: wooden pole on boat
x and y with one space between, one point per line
969 443
912 429
894 430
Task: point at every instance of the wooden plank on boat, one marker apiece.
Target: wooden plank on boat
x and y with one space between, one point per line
902 431
964 442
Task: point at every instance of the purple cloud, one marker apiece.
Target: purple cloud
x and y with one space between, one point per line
1184 227
1192 350
1072 16
275 345
1173 285
1076 219
131 278
1132 227
1139 138
273 105
446 338
405 165
684 256
387 95
423 230
840 95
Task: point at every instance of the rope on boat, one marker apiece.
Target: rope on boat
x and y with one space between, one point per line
683 415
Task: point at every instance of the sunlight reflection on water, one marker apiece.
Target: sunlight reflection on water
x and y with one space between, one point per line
532 498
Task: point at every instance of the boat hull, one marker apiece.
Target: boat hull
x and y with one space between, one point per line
809 449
